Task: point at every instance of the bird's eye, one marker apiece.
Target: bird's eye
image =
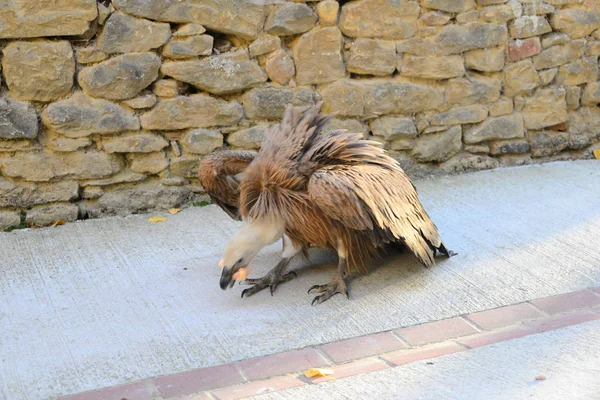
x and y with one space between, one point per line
240 261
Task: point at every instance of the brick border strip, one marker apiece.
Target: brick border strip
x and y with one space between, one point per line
362 354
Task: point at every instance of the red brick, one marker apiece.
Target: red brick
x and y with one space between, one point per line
436 331
198 380
411 355
519 49
567 302
503 316
487 338
363 346
257 387
560 321
353 368
134 391
282 363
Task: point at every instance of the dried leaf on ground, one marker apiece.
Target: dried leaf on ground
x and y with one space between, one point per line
318 372
157 219
597 154
540 378
59 222
174 211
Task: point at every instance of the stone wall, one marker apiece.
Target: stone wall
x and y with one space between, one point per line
108 107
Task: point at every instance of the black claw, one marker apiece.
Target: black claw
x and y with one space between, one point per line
244 292
315 299
313 288
272 289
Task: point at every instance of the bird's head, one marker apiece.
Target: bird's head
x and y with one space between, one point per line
244 245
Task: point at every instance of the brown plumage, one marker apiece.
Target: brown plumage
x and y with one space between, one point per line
332 190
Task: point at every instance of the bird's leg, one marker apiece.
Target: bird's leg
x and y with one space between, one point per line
337 284
275 276
444 251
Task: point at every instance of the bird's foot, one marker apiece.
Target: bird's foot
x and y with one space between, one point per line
337 285
270 280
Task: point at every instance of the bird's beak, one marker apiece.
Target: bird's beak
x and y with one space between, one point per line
227 275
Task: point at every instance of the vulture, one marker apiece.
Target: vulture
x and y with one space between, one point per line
310 188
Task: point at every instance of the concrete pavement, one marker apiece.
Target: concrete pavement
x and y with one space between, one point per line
99 303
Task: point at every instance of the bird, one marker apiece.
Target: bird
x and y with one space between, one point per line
313 188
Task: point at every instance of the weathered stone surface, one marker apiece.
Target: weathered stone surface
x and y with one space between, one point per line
573 97
344 97
43 167
58 143
392 128
418 46
148 163
40 70
547 76
349 125
584 70
17 120
250 138
469 16
89 55
186 166
438 147
47 215
190 46
328 12
26 194
514 146
402 144
454 39
520 77
528 26
547 108
318 57
280 67
81 115
242 18
507 127
92 192
472 90
432 67
576 22
270 102
386 97
122 77
591 94
142 197
9 219
134 143
502 107
558 55
190 29
512 160
264 45
372 57
290 19
497 14
554 38
519 49
578 142
390 19
144 101
202 141
468 162
194 111
167 88
593 48
461 115
124 176
434 18
585 121
485 60
27 19
547 143
458 6
19 145
537 8
125 34
223 74
477 148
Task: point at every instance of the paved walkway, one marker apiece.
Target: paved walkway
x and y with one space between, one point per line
101 303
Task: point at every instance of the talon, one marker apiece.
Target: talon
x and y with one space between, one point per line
244 292
315 299
272 289
313 288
